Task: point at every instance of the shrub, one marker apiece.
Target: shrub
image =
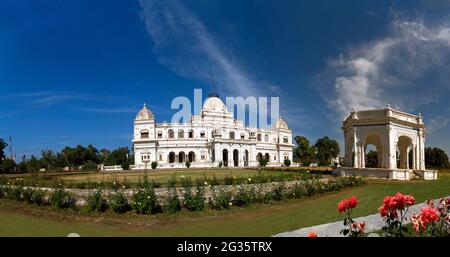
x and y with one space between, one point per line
119 203
220 164
89 165
145 200
38 197
96 202
60 199
172 182
125 166
287 162
16 193
173 203
188 164
154 165
279 192
242 198
262 162
298 190
222 199
228 180
186 182
194 202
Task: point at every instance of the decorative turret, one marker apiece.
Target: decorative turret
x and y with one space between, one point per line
145 114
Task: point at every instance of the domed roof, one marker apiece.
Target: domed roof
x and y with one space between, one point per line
214 104
281 124
144 114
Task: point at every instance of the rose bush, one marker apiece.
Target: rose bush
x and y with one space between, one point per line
351 227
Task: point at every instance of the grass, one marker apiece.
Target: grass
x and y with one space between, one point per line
18 219
160 177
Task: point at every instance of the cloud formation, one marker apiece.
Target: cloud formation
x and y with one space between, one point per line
183 43
407 69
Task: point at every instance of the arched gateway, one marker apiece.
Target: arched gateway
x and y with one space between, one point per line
397 141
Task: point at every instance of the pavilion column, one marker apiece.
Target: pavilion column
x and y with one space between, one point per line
363 157
357 154
414 167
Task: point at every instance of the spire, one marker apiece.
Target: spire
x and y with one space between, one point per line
213 92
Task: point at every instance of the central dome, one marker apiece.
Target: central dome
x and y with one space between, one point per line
214 104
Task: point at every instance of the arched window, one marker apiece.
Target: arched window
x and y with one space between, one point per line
171 133
242 136
285 140
231 134
266 138
160 134
180 133
191 134
144 134
258 137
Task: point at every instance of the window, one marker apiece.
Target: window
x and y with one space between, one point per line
159 134
202 134
145 157
202 157
180 133
171 133
242 136
144 134
266 138
231 134
160 157
191 134
258 137
285 140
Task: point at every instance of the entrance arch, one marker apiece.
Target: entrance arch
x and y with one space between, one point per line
171 157
404 146
191 157
373 152
235 157
181 157
225 157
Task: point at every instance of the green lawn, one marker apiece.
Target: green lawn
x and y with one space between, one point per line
161 177
257 220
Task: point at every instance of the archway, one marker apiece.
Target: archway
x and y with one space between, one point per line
404 146
225 157
246 158
373 152
181 157
267 157
191 157
259 156
171 157
235 157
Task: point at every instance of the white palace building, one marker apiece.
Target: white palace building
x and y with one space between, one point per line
208 139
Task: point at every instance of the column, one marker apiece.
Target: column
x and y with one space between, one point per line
355 146
363 157
414 167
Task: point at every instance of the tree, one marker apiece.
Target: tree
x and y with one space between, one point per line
48 158
326 150
8 166
118 157
436 158
3 145
372 159
303 152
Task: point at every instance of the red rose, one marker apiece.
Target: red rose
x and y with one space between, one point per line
312 234
342 205
409 200
383 210
361 225
429 214
352 202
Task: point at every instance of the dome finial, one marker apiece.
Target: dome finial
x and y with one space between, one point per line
145 105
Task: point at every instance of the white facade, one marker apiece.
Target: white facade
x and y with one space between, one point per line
399 139
208 139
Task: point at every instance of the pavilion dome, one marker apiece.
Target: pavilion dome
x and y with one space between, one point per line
214 104
281 124
144 114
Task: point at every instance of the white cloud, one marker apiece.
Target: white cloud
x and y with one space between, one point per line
408 69
184 44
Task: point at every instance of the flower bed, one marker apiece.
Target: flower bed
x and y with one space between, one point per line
145 199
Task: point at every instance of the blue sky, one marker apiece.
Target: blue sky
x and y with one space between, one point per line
76 72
